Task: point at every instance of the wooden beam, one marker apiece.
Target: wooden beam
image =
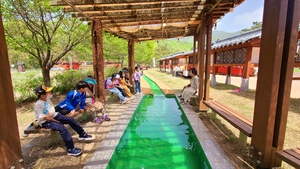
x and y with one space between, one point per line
131 60
98 44
271 80
97 9
246 68
114 3
286 74
194 51
200 56
208 57
10 145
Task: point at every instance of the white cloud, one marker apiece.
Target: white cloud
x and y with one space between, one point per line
246 19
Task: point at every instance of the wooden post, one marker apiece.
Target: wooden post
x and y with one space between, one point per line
10 146
286 74
98 59
131 59
278 45
200 56
194 51
208 57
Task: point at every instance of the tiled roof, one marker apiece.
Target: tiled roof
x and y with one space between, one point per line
237 39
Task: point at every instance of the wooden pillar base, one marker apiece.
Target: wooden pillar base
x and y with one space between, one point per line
213 80
245 85
228 80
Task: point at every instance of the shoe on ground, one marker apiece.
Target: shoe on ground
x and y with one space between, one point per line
124 101
98 120
74 152
85 136
106 118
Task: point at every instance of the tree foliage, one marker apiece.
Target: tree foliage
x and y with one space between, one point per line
41 31
255 25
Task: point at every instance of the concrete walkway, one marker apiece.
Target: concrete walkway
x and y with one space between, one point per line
236 81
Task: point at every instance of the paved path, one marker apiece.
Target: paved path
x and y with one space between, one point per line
236 81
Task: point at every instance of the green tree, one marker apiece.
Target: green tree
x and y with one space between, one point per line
45 33
143 52
255 25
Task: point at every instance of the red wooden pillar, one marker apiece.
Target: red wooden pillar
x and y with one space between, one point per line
278 45
131 58
200 56
98 58
208 57
10 146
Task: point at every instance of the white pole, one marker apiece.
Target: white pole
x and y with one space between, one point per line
153 60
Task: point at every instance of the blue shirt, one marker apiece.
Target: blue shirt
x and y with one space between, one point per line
73 99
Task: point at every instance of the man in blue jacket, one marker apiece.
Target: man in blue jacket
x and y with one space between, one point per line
75 100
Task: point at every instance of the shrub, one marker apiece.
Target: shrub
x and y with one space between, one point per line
23 88
66 81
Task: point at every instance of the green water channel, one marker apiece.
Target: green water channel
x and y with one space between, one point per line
158 136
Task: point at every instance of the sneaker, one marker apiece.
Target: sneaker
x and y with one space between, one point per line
74 152
124 101
180 96
98 120
106 118
85 136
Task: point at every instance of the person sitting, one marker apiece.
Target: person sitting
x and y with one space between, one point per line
110 85
190 89
124 84
75 100
128 79
47 117
92 103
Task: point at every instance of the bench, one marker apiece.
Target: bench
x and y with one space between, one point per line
290 156
55 136
236 119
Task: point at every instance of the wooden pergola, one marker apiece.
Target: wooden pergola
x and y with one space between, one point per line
140 20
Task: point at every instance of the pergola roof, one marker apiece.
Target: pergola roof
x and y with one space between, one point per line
148 19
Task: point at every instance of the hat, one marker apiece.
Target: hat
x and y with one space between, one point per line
39 91
117 76
125 70
91 81
47 89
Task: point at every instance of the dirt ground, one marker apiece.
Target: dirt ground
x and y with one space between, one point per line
38 152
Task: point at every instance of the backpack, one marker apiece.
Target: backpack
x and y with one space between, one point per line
105 82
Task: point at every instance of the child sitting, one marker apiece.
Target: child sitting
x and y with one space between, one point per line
75 100
92 103
47 117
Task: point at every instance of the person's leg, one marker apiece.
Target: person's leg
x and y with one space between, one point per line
140 87
122 91
61 110
65 134
115 90
75 126
127 91
136 86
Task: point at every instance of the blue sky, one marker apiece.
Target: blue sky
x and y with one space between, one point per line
242 16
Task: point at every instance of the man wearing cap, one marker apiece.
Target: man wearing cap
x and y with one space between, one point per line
48 118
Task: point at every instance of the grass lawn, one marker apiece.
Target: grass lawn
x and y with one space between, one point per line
242 102
296 70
